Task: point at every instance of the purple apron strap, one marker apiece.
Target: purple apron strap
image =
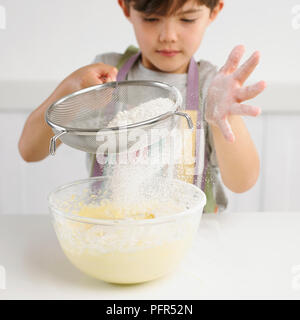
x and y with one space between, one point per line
122 74
192 92
97 169
192 103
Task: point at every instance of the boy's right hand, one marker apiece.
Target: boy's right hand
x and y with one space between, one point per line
87 76
35 147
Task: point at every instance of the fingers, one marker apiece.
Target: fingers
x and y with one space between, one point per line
244 71
98 73
244 110
90 80
105 72
108 78
226 130
233 60
250 92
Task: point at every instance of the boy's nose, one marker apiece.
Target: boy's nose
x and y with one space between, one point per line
168 32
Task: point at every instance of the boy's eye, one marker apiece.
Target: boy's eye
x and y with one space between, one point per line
188 20
157 19
150 19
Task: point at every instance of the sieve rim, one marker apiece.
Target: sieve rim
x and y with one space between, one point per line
121 222
115 84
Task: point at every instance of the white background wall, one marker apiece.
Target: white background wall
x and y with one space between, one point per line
48 39
44 41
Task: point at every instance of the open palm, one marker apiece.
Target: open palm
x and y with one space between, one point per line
226 92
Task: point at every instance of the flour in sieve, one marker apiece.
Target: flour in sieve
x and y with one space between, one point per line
142 112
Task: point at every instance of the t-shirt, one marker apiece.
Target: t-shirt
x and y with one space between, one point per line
206 73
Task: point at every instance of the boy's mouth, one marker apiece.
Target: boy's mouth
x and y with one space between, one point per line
168 53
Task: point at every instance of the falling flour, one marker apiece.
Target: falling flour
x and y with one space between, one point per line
128 178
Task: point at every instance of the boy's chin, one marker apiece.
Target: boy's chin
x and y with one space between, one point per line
174 69
170 66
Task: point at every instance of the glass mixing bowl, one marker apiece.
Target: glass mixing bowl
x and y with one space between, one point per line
127 251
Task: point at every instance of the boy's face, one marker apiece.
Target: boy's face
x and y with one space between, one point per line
168 42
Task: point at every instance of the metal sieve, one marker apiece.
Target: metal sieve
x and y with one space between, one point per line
79 119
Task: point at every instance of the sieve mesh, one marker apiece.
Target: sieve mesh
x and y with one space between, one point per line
78 118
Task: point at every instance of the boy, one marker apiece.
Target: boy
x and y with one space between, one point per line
168 34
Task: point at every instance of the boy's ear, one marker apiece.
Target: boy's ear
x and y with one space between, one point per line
124 8
216 10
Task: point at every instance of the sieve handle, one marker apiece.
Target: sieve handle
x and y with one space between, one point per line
188 118
52 148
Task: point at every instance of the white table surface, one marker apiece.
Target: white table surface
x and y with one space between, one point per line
235 255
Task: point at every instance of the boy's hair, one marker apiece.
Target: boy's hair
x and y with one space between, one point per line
165 7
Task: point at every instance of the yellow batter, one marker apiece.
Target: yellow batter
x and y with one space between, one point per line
125 253
110 211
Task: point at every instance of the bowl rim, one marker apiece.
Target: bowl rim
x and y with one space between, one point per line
122 222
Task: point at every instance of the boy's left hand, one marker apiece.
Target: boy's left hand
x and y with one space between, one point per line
226 92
